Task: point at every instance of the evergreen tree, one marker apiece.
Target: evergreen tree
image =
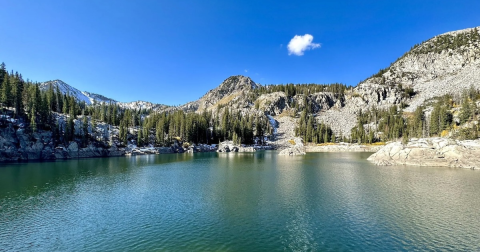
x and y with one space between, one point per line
33 121
6 92
85 130
435 123
18 100
466 111
140 137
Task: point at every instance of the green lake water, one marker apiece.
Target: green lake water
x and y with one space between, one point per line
237 202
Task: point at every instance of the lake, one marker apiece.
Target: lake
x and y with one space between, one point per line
237 202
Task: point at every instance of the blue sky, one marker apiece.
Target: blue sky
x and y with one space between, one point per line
172 52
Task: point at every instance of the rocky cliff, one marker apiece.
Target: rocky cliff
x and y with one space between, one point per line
17 144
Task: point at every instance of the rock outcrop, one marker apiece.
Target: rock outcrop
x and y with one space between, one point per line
229 146
19 145
296 148
430 152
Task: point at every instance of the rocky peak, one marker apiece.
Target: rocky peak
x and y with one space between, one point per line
237 82
230 89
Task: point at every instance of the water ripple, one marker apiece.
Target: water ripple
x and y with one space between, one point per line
320 202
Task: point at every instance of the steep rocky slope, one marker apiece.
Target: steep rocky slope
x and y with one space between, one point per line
445 64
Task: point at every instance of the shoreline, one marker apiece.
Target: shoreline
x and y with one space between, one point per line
343 147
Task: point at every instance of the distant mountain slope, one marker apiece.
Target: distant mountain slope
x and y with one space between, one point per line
66 89
91 98
98 98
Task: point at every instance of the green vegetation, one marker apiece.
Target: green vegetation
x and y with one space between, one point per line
312 131
442 43
205 127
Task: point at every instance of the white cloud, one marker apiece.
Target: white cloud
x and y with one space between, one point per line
246 70
300 44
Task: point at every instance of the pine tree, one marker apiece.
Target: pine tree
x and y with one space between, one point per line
466 111
59 99
93 126
435 120
33 120
85 129
18 100
140 137
6 92
418 122
3 73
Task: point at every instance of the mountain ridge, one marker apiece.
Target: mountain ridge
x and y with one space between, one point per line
444 64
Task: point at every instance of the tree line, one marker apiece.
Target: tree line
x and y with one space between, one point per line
207 127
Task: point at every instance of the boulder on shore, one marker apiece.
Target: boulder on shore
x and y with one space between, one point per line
229 146
296 148
430 152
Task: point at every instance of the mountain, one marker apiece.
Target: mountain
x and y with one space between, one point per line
228 92
445 64
91 98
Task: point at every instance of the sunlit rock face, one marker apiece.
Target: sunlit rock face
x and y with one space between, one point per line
430 152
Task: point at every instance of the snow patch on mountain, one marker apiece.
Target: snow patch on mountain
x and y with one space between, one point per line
65 89
97 98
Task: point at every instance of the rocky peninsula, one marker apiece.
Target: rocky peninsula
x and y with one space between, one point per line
430 152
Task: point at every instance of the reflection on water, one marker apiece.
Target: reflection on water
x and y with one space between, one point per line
237 201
